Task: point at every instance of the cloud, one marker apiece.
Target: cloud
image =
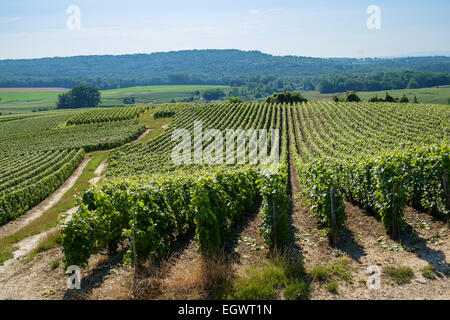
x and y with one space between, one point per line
10 20
259 11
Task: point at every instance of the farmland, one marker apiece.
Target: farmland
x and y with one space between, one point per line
435 95
27 100
383 163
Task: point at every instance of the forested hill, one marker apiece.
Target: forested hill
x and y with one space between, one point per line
195 67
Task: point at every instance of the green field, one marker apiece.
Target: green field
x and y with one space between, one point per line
155 94
12 103
436 95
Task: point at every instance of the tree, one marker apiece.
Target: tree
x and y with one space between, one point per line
128 101
416 101
336 98
389 98
79 97
64 101
351 96
214 94
235 100
375 99
286 97
404 99
412 84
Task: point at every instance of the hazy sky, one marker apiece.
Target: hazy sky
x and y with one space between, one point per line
319 28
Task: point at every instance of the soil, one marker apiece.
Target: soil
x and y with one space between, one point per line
98 172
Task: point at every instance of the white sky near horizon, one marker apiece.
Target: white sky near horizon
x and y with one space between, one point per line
37 28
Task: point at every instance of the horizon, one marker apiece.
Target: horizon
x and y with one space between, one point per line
320 29
413 55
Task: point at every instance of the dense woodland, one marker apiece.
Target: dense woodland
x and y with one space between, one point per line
250 73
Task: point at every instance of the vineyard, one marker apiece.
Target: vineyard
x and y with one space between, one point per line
28 179
39 153
107 115
384 159
381 157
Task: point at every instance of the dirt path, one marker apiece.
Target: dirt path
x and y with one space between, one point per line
142 136
98 172
34 213
26 245
17 282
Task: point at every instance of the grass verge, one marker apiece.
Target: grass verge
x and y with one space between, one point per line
155 125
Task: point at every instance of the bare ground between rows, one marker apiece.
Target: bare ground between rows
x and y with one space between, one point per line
37 280
364 242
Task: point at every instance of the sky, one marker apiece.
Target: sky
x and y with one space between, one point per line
317 28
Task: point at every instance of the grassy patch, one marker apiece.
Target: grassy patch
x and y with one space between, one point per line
429 272
156 125
49 218
284 273
321 273
400 275
297 290
48 242
341 268
332 287
330 274
6 255
260 284
55 264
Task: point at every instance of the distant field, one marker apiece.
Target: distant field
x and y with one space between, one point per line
436 95
25 100
11 90
155 94
33 99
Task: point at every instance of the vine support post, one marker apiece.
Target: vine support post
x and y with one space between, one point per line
133 240
394 216
333 218
275 224
447 195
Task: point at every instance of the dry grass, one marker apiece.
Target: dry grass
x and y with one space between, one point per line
201 279
184 283
217 277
